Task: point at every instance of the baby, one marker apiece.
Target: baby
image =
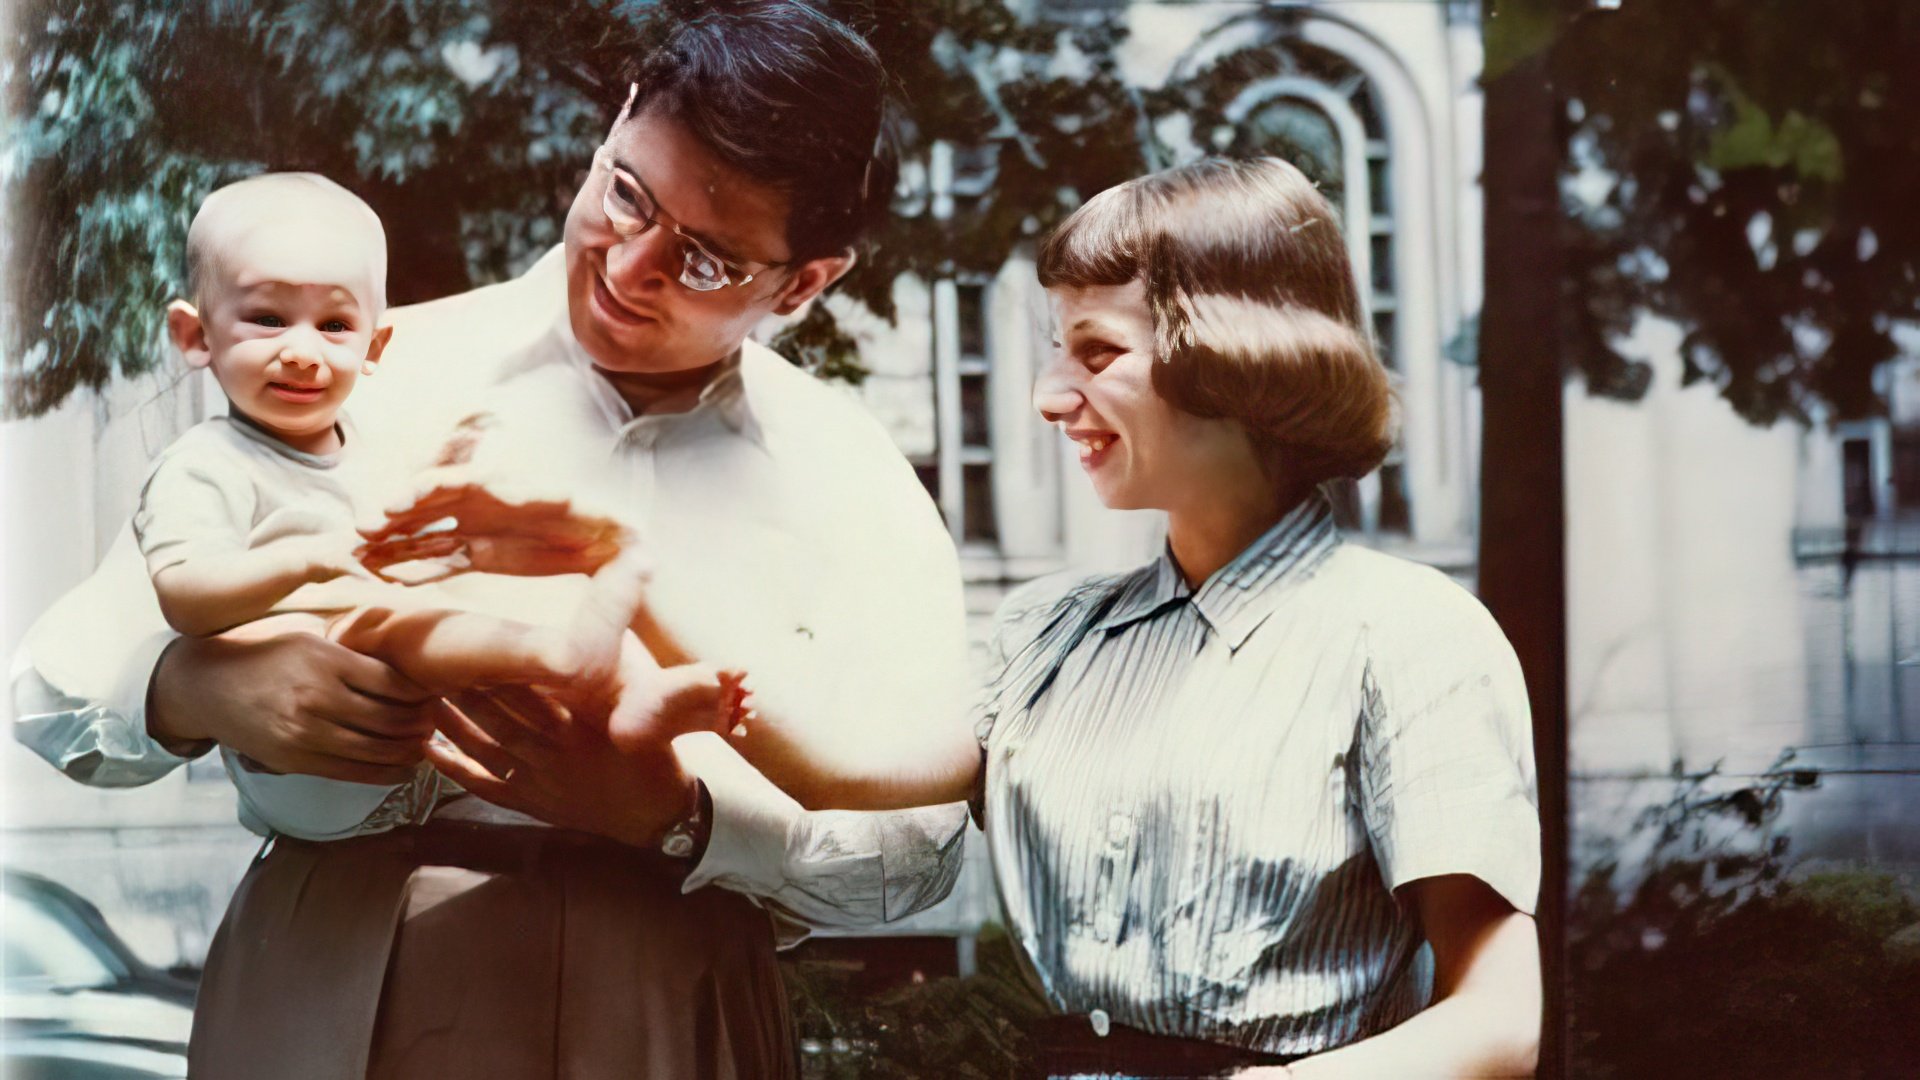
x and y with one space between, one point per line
287 273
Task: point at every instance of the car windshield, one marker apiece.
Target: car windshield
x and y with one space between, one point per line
49 948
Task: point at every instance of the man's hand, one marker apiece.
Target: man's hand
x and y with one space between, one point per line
604 770
293 702
493 535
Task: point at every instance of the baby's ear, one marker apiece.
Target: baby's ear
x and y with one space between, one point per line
189 334
375 348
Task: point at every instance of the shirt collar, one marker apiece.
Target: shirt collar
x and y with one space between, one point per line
724 395
1242 594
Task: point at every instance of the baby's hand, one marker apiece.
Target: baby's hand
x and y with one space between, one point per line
323 556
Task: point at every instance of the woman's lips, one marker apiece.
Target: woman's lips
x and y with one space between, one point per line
299 395
613 309
1095 446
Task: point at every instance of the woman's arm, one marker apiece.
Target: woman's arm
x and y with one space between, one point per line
857 775
1485 1016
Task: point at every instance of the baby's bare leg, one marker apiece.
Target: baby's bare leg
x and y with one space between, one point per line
448 651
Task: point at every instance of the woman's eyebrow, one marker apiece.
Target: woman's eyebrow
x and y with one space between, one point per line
1092 326
716 247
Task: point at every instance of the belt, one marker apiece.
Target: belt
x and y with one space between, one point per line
1090 1044
492 847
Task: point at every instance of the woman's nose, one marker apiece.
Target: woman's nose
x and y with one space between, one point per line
1055 394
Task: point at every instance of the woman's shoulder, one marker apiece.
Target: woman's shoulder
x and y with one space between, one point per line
1029 610
1408 604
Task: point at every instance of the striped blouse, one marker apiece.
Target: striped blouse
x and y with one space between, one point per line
1198 803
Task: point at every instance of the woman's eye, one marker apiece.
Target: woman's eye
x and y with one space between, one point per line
273 321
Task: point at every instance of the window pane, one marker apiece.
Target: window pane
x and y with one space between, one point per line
1379 187
973 319
1383 336
1396 516
1383 264
929 475
1300 133
973 410
980 522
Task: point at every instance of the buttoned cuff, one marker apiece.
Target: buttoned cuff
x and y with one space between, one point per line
752 819
103 742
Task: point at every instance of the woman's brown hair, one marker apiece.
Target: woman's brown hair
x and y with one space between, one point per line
1255 311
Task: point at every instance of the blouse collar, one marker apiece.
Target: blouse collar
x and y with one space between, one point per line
1242 594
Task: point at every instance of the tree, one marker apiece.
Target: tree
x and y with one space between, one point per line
1522 561
1747 169
467 125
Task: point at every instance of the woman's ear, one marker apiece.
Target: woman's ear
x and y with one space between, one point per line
812 278
189 334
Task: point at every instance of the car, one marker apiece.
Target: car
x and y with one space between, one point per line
79 1005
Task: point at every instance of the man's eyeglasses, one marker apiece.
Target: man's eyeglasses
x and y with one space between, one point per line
631 210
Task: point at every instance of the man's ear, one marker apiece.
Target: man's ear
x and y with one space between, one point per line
812 278
189 334
375 347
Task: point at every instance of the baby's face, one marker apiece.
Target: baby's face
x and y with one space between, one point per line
290 317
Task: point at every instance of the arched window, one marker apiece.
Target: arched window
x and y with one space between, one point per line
1323 116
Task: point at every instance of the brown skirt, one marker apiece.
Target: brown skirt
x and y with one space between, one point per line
487 951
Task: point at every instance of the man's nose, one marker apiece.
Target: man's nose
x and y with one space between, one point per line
644 260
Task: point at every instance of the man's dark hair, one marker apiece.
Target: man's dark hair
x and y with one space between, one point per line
790 96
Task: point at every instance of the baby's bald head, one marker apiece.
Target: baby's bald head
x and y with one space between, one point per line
295 214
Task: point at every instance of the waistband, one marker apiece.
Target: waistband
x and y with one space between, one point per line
1083 1044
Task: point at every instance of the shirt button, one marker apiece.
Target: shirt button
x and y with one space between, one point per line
1101 1025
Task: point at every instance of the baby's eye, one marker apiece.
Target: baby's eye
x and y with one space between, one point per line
336 326
264 319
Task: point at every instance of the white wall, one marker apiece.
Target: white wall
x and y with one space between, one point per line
1684 617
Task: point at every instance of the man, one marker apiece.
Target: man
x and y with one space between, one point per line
789 538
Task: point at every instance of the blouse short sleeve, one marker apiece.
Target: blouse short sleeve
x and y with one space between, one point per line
1446 773
195 503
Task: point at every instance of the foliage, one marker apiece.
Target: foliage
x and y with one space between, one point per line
1747 168
467 124
972 1027
129 114
1718 961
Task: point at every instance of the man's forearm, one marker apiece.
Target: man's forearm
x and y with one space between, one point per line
171 721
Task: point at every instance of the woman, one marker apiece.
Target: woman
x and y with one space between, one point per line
1232 793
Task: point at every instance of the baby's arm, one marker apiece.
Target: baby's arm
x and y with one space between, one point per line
209 593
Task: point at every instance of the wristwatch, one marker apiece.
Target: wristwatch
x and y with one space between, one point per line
685 839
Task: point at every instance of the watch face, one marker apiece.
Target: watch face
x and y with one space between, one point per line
677 844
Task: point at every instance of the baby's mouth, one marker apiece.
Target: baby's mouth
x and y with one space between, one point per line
298 394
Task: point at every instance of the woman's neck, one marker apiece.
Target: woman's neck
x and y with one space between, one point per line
1217 526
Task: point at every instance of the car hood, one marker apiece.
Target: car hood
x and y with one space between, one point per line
105 1015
